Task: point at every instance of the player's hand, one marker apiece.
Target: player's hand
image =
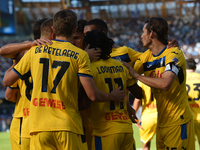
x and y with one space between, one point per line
41 42
133 117
93 53
138 124
173 43
117 95
133 73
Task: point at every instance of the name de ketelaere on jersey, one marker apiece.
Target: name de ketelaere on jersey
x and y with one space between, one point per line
192 85
172 105
110 117
126 54
55 69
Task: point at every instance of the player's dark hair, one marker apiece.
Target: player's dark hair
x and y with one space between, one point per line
98 39
80 25
46 27
99 25
190 63
36 28
160 27
64 22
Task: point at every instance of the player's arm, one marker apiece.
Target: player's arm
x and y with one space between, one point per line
83 101
97 95
136 104
10 76
11 50
163 83
12 94
136 91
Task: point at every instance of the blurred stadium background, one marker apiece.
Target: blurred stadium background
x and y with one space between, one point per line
125 19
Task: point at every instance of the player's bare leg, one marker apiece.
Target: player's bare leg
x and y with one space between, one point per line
146 146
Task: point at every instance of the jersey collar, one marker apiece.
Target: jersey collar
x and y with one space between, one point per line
161 51
60 40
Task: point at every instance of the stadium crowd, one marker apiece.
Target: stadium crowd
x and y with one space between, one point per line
186 30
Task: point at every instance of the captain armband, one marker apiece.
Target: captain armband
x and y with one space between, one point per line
172 67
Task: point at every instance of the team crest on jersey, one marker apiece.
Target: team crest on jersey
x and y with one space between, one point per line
175 60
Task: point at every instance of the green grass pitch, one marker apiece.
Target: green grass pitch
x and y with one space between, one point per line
5 141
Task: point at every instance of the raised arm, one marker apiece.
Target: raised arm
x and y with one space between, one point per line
163 83
11 50
136 104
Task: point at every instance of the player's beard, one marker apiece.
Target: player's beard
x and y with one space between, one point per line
147 44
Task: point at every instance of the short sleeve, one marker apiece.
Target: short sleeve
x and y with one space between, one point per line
133 55
174 61
84 66
14 86
23 66
138 66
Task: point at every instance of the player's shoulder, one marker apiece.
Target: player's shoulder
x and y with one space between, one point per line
118 50
125 48
175 54
145 55
175 51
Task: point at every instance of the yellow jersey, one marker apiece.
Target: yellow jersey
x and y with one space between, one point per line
55 71
126 54
19 103
25 91
172 105
110 117
148 100
192 86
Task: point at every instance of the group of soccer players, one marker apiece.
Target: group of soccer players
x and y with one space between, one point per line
53 72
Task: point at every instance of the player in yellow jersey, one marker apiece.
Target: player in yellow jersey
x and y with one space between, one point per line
24 88
112 127
148 117
27 85
165 72
56 71
120 53
124 53
12 51
192 85
16 124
